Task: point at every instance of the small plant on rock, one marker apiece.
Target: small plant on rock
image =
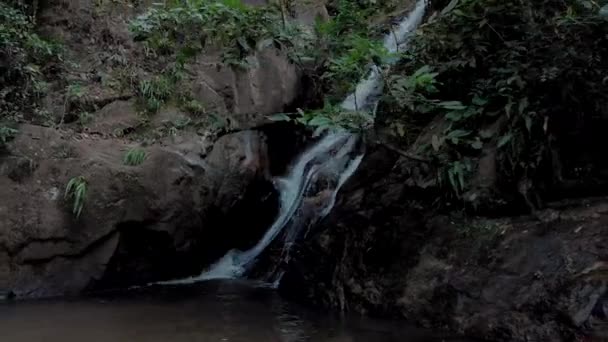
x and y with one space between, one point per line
6 134
134 157
76 190
192 106
155 92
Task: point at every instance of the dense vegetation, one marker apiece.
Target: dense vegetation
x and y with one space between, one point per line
176 32
518 76
338 54
26 60
184 29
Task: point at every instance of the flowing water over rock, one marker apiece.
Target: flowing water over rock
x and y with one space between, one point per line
308 191
325 166
213 311
368 91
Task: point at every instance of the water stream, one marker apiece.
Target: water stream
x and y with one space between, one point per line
214 311
332 159
368 91
308 192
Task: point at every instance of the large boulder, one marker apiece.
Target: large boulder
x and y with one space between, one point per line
142 223
269 84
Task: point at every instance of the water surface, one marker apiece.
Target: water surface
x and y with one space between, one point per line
214 311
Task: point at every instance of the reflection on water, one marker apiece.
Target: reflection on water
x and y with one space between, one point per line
213 311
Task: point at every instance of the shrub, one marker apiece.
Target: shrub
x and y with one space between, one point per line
511 73
25 60
187 28
342 51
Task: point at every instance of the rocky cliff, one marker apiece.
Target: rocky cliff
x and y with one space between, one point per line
163 219
382 252
165 216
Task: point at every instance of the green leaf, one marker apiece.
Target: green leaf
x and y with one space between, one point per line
504 139
457 133
508 107
477 144
469 112
454 116
449 7
485 134
422 70
435 142
461 179
523 104
279 117
319 121
478 101
453 105
528 121
453 181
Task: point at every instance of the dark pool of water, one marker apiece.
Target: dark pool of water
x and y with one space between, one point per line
213 311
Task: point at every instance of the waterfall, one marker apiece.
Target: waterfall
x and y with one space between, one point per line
368 91
308 192
332 159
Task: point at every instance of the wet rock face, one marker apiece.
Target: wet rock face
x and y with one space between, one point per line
139 223
267 86
242 210
382 252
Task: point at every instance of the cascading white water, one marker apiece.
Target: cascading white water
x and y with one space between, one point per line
326 165
367 93
331 155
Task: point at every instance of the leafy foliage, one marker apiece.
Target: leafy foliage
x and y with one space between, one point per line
511 74
177 31
346 69
76 190
134 157
187 28
345 47
330 117
25 60
192 106
341 51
